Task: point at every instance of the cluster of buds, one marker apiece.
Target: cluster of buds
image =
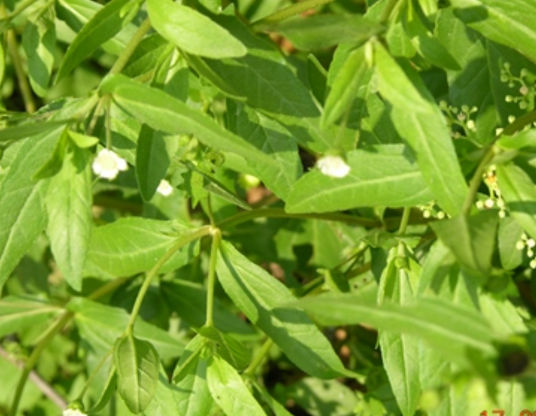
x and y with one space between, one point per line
529 244
459 117
524 84
432 211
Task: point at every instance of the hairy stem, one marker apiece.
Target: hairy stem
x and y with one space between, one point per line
24 86
257 360
216 238
181 242
404 221
131 47
476 180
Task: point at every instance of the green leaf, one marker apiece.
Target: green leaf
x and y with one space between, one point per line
101 325
277 408
258 295
386 178
104 25
55 162
193 395
519 193
165 400
512 24
323 397
227 347
39 42
165 113
81 140
24 131
520 140
134 245
146 54
137 367
424 41
327 30
471 86
267 135
510 233
189 301
152 161
450 329
420 122
472 240
229 391
181 26
70 219
18 313
22 213
344 89
107 392
268 84
400 352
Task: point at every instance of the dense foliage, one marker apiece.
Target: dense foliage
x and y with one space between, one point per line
267 207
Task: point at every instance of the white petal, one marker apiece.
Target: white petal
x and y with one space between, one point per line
164 188
333 166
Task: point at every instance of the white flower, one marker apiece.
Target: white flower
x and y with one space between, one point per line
164 188
333 166
73 412
107 164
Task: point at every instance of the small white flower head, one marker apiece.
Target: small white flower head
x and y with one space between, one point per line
440 215
426 213
164 188
489 203
480 204
73 412
532 264
531 243
108 164
333 166
520 245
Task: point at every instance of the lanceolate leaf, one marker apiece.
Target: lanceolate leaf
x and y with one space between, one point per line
29 130
272 138
387 178
229 391
268 84
258 295
519 194
137 367
513 23
420 122
17 313
163 112
180 25
70 219
326 30
22 213
447 328
471 240
227 347
39 41
134 245
104 25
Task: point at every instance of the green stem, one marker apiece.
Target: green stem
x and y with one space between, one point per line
108 122
23 6
216 238
62 320
290 11
519 123
24 86
181 242
404 221
280 213
257 360
476 180
94 374
131 47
